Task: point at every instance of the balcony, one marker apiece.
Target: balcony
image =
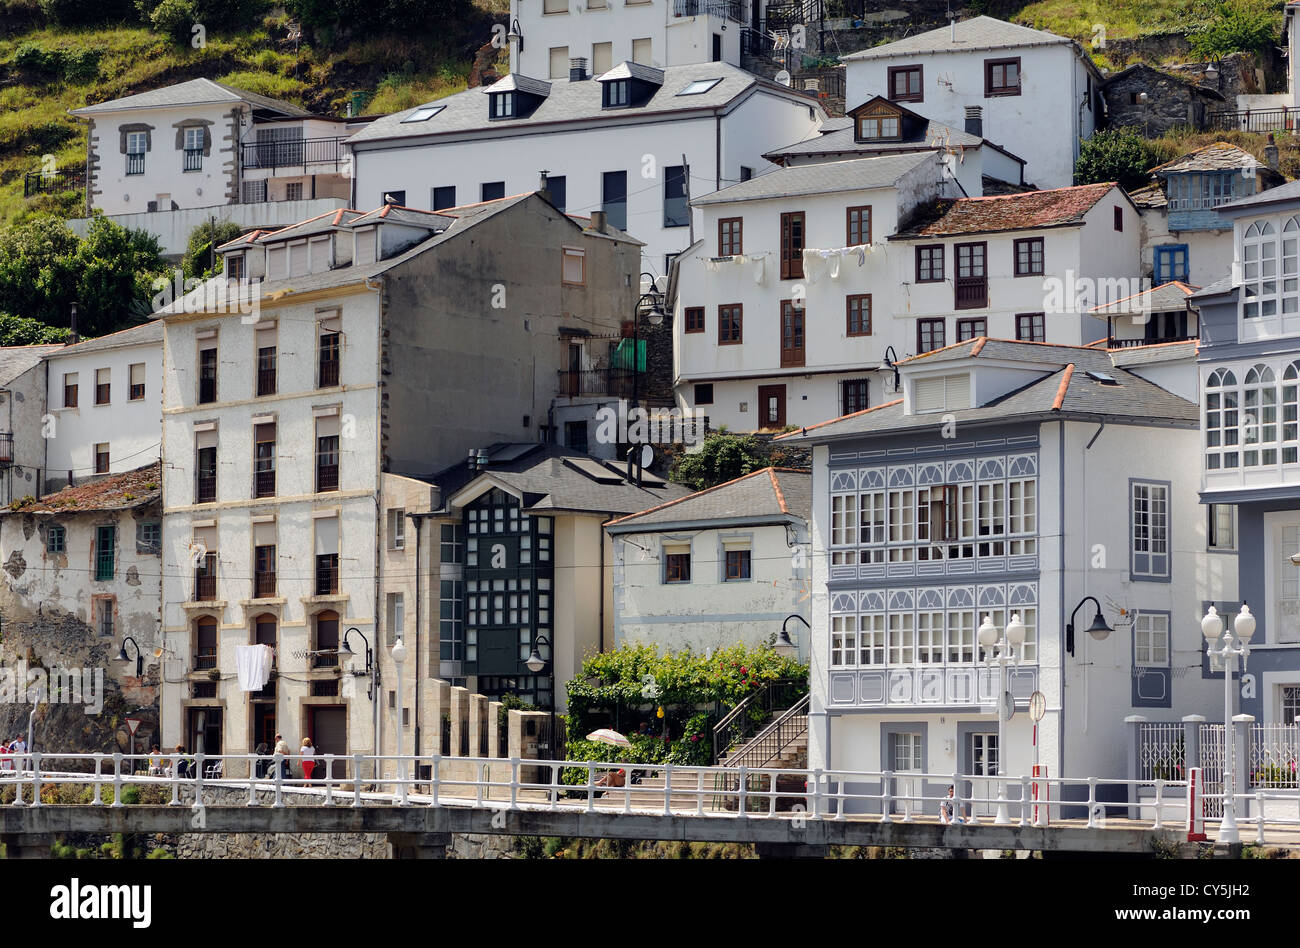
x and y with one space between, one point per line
205 586
6 448
264 484
970 292
205 489
940 686
1254 120
135 164
723 9
602 382
329 372
207 390
205 659
264 584
1113 343
193 159
297 153
327 477
265 382
55 182
327 580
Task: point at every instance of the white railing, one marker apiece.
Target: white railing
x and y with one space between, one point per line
1274 750
1160 751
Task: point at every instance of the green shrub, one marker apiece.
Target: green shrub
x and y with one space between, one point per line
1237 26
88 12
175 18
159 853
35 58
82 65
1115 155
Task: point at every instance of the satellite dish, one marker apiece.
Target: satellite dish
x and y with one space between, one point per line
647 455
783 77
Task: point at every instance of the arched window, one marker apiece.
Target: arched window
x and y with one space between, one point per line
1290 414
1259 270
1259 417
1290 271
1221 433
326 639
205 643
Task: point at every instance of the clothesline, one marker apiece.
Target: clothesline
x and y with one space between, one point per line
814 261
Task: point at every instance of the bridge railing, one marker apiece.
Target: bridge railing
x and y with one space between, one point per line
643 789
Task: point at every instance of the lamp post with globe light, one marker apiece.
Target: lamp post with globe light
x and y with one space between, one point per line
1211 628
399 659
1010 647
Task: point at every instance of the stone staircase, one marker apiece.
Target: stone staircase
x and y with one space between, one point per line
793 756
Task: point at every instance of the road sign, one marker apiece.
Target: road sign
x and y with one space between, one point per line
1037 706
1008 706
133 724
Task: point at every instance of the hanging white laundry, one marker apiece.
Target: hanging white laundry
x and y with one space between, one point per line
253 665
862 254
711 265
812 265
759 270
835 265
740 259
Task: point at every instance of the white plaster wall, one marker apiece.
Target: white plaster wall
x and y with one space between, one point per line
22 407
809 399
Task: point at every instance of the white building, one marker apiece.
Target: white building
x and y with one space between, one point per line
22 420
722 566
163 160
768 333
1033 92
1063 474
105 405
620 143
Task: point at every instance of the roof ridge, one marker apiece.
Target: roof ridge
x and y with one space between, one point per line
776 487
698 493
1065 384
1023 194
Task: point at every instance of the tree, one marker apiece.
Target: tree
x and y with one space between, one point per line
1237 26
721 458
200 262
1115 155
20 331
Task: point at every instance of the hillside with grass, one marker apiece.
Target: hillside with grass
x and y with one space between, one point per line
56 55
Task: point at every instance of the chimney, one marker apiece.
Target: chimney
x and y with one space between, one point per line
76 338
598 221
1270 153
543 189
577 68
975 120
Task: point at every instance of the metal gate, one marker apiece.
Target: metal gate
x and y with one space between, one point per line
1213 761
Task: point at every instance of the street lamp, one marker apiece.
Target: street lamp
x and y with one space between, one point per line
1211 627
346 652
1010 647
125 659
399 659
784 646
535 663
1098 630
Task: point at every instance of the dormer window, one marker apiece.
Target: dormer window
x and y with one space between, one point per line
615 94
503 105
942 393
423 113
879 121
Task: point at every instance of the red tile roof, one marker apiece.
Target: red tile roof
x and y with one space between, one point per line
115 492
1053 208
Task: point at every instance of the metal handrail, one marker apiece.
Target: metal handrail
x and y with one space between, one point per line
735 726
773 739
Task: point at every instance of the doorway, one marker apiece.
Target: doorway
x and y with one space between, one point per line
327 725
982 760
203 730
771 406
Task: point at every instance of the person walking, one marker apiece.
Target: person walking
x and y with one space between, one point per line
261 764
308 752
282 748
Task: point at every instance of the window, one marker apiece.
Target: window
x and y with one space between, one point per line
148 538
263 569
704 393
1029 327
1029 256
614 197
677 564
859 314
558 185
55 539
328 358
253 192
395 614
971 328
641 52
293 191
878 128
676 213
853 396
492 191
207 375
1220 524
929 264
737 565
701 86
792 333
104 608
559 62
205 577
575 435
1259 270
730 319
327 641
102 386
397 528
194 138
929 335
327 556
397 198
1001 77
944 393
1149 523
555 6
1259 417
859 226
135 374
264 460
574 266
101 458
423 113
729 234
971 286
1222 432
602 57
266 368
205 467
443 197
451 620
792 236
1170 263
235 266
694 319
70 390
746 173
1151 639
615 93
105 541
137 143
905 84
502 105
450 543
327 454
205 644
1289 700
902 639
1119 218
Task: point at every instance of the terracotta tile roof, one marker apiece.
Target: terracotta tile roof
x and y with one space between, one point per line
114 492
1054 208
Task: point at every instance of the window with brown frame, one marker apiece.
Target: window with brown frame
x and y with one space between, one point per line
695 319
858 229
677 567
737 565
929 263
792 237
792 333
858 314
879 127
1029 256
102 386
929 335
905 84
853 395
730 323
1001 77
1029 327
971 284
1119 218
971 328
70 390
729 236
